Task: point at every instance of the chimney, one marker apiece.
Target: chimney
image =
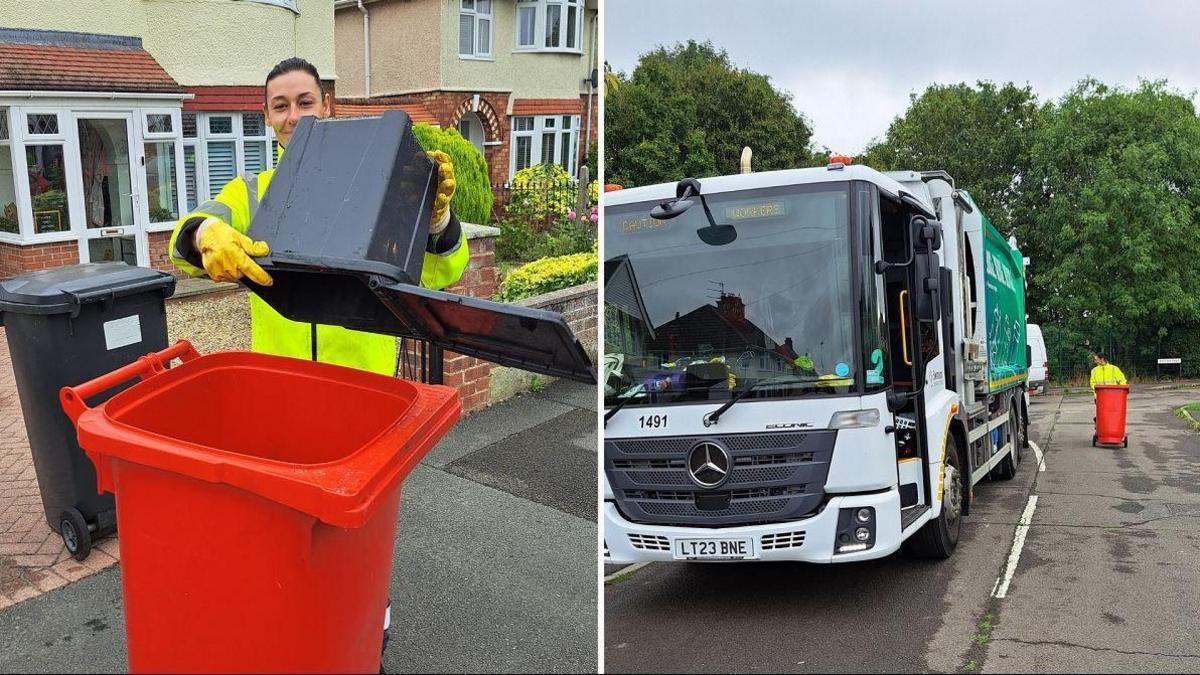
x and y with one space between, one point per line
731 307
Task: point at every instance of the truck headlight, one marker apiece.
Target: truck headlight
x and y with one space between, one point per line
854 419
855 530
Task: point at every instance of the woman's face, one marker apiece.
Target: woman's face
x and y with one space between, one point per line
289 97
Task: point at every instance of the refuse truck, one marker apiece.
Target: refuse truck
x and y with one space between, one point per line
811 364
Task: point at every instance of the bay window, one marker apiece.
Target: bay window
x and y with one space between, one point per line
549 25
8 180
545 139
218 146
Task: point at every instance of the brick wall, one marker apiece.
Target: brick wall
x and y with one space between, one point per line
159 259
16 260
578 306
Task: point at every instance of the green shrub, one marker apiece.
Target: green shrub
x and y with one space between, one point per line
472 201
521 241
548 274
517 241
540 194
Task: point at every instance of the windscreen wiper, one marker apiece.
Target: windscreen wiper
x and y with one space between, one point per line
632 394
711 418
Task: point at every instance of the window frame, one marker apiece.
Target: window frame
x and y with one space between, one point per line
7 142
541 10
176 138
476 17
237 136
535 134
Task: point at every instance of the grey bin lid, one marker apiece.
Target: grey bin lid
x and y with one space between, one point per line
64 290
351 195
510 335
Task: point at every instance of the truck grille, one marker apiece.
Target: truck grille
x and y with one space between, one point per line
781 540
650 542
772 477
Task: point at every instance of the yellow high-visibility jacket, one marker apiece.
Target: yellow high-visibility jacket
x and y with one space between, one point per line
270 332
1107 374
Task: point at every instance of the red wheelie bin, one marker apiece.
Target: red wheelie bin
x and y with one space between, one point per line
1110 415
256 499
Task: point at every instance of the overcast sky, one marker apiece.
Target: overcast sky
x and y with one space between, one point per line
850 65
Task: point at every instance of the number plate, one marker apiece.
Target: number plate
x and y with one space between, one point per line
730 548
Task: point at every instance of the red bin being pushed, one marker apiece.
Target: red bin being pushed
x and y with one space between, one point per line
1110 415
256 501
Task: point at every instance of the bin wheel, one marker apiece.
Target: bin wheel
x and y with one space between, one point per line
75 534
1093 440
1126 441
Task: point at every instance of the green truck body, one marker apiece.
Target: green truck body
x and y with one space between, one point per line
1004 304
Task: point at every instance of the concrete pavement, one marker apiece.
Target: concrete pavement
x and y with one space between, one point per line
1107 581
494 568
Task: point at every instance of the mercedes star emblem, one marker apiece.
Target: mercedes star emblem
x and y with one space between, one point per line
708 464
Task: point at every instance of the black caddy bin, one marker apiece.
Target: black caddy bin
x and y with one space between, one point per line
65 326
347 220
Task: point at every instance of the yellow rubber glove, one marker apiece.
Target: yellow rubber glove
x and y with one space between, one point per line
445 191
226 253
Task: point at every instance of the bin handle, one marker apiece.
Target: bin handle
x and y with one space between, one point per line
72 398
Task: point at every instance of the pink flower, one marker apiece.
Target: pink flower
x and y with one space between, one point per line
594 217
570 215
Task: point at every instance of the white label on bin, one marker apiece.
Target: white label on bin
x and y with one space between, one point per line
122 332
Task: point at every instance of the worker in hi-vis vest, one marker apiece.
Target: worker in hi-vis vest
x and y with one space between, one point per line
1105 372
211 239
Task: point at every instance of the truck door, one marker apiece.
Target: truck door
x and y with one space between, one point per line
915 352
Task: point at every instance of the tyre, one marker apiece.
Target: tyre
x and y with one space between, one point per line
1126 441
75 535
1094 439
1007 468
939 537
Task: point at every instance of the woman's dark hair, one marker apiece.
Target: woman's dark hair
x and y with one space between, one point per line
294 63
1100 355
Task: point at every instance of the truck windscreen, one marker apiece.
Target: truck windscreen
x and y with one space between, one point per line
690 321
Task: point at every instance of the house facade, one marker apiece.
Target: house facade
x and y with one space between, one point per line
116 116
515 77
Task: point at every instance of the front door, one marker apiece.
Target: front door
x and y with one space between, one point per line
113 229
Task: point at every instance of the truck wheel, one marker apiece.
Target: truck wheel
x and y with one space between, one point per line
1007 468
939 537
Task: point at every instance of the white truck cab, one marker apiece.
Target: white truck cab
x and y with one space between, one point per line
802 365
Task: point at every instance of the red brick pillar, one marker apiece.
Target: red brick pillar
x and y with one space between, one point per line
471 376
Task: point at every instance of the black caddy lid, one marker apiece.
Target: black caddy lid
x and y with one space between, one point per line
511 335
63 290
351 195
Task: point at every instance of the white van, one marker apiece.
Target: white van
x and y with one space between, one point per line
1039 363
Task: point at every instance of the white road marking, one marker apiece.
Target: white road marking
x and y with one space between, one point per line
630 569
1018 543
1037 452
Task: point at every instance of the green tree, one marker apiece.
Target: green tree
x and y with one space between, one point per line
1108 213
687 111
979 134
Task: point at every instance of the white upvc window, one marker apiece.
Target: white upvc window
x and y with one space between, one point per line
549 26
219 146
475 29
161 135
10 222
544 139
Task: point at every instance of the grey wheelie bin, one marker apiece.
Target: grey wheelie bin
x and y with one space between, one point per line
65 326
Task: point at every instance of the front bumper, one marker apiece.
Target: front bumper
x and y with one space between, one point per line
808 540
